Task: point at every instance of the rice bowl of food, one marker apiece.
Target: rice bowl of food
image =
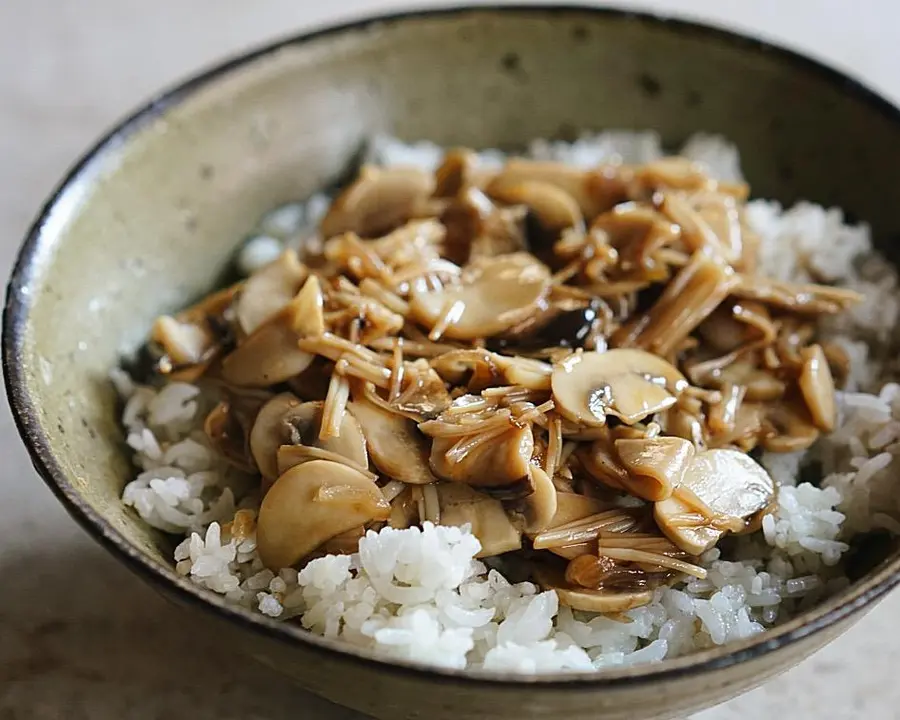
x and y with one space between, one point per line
483 405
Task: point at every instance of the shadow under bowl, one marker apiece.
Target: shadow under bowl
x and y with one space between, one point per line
150 217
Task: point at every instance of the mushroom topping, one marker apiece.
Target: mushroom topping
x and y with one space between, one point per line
538 510
580 356
380 200
396 446
587 600
628 384
496 464
269 290
461 505
492 296
817 387
723 485
310 504
284 420
553 210
655 465
271 354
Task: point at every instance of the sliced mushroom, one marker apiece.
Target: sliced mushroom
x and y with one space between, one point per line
498 465
461 505
537 511
817 386
478 369
493 295
284 420
627 384
587 600
799 298
380 200
396 446
730 484
309 505
552 209
655 465
269 290
594 191
267 357
271 354
600 461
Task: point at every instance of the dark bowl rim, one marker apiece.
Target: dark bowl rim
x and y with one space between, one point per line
26 415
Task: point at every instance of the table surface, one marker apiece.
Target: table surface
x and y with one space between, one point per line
81 637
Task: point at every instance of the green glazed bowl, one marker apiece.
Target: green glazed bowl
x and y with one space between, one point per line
149 218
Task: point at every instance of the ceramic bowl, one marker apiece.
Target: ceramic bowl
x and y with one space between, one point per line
150 217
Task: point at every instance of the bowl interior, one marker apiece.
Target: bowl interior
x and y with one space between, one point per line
151 219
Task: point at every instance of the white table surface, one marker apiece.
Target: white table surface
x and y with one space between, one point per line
79 636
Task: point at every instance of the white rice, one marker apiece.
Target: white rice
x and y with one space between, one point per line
419 594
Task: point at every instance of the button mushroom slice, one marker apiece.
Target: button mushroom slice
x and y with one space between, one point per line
537 511
309 505
404 510
729 483
655 465
493 294
495 463
462 505
267 357
817 386
378 201
627 384
269 290
271 354
284 420
697 290
396 446
587 600
593 191
552 209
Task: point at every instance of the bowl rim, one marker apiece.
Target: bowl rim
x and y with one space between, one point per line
38 243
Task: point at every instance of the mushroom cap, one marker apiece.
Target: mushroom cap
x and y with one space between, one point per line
493 294
311 503
269 290
628 384
729 482
396 446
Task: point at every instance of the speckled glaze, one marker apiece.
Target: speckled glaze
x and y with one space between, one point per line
150 217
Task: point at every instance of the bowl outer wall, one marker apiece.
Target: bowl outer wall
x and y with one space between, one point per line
148 221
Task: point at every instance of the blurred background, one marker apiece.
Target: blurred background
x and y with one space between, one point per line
79 636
